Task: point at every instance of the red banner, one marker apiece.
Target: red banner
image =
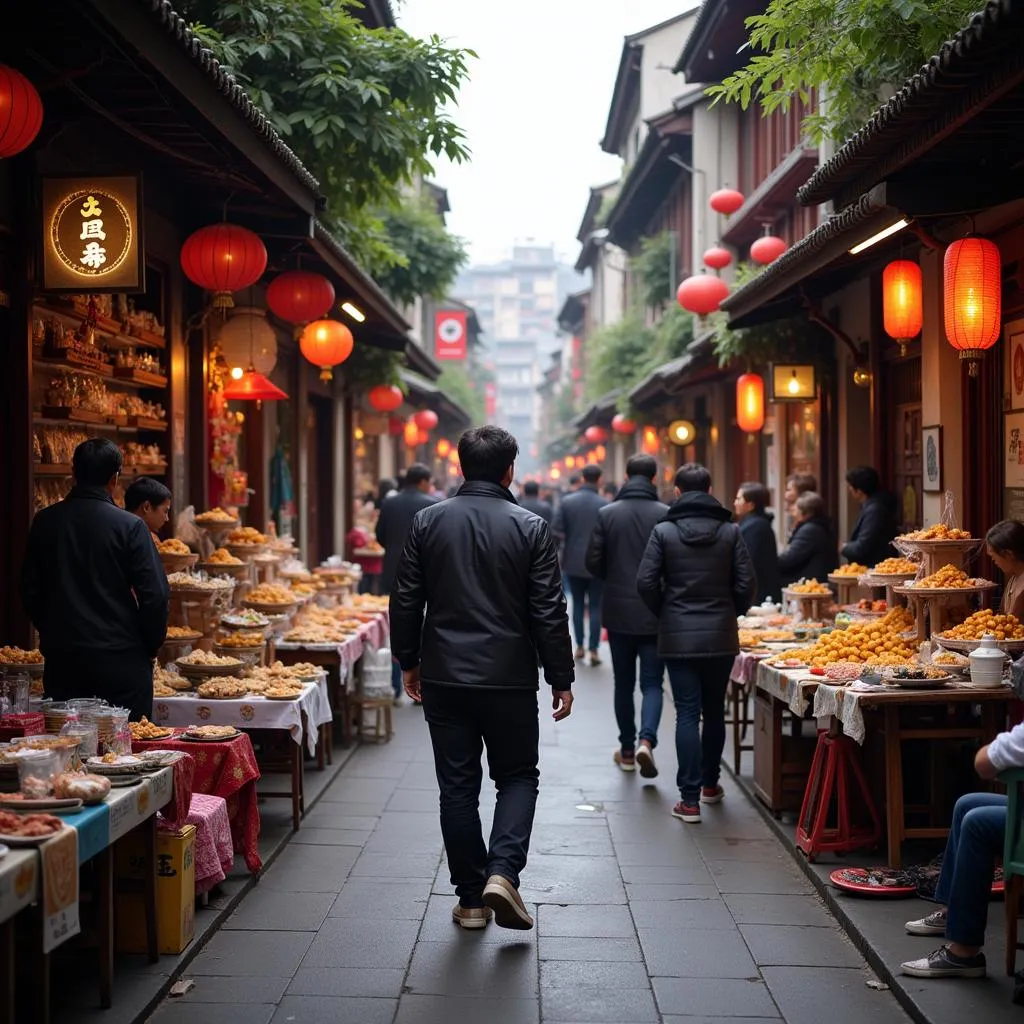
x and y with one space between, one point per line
490 399
450 334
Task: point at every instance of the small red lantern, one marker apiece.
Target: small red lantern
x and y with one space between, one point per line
422 436
725 200
650 443
750 402
299 296
767 249
902 305
411 434
444 447
972 286
717 257
622 424
223 258
21 112
595 434
386 398
326 343
425 419
702 293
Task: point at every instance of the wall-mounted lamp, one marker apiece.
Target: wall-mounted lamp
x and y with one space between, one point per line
879 236
682 432
792 383
353 311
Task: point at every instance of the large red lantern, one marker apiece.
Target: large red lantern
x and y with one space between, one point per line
717 257
425 419
386 398
223 258
595 434
326 343
972 286
702 293
725 200
622 424
902 305
767 249
299 296
411 434
21 112
750 402
650 443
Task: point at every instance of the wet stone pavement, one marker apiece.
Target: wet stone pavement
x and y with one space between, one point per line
640 918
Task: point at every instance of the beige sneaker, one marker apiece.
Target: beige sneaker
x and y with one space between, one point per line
503 898
471 918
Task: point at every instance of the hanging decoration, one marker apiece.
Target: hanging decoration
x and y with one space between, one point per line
326 343
422 436
395 426
650 443
386 398
750 402
767 249
725 200
246 337
444 448
21 112
595 434
411 434
702 294
425 419
972 287
623 424
223 258
300 296
717 257
902 304
253 386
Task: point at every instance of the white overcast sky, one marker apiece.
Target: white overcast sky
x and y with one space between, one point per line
534 111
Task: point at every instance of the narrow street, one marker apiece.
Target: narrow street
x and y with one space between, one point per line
640 918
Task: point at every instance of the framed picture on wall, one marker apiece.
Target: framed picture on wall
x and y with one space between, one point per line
1015 363
1013 451
931 459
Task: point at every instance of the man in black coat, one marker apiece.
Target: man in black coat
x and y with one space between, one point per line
95 589
751 506
811 553
616 548
396 516
531 501
696 576
574 523
871 540
486 571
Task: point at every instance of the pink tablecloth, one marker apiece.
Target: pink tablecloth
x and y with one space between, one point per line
214 852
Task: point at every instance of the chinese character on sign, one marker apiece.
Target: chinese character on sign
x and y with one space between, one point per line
93 229
94 255
91 208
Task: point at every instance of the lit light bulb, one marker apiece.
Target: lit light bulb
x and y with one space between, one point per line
237 373
794 385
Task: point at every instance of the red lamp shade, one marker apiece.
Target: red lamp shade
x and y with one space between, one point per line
326 343
717 258
425 419
750 403
223 258
971 280
252 386
622 424
595 434
21 112
299 296
767 249
902 305
725 200
444 448
386 398
650 443
411 434
702 293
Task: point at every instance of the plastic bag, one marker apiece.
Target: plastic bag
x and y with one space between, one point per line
185 529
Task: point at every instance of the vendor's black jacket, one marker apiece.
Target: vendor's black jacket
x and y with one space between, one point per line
486 571
811 552
92 580
616 547
870 542
393 525
759 537
696 576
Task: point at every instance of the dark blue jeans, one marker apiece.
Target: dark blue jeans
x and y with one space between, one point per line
397 682
626 649
698 687
965 882
462 721
586 590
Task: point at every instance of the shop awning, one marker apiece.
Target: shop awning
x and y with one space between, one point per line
600 413
670 378
718 42
429 396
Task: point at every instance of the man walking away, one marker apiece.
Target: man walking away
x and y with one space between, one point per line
486 570
697 576
616 548
396 516
532 503
574 523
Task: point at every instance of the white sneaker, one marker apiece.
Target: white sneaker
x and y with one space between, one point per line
933 924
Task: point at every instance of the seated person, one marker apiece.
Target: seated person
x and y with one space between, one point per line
150 500
965 883
811 553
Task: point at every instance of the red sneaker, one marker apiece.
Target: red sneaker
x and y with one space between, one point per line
712 794
690 813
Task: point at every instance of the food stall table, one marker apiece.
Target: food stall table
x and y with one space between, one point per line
18 886
741 685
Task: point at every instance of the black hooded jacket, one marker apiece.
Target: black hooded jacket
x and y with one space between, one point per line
759 537
811 553
697 576
877 524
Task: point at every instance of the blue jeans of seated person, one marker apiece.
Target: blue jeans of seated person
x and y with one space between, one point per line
965 882
627 649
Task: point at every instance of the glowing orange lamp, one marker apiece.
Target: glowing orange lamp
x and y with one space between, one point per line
972 285
902 305
750 402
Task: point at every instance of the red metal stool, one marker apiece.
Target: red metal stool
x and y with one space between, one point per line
836 765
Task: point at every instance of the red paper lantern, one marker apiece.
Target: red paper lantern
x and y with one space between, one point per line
725 200
422 436
767 249
299 296
223 258
972 286
425 419
702 293
622 424
252 386
386 398
902 305
650 443
21 112
717 257
595 434
750 403
444 448
411 434
326 343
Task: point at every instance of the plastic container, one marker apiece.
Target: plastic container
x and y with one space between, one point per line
14 691
36 771
87 734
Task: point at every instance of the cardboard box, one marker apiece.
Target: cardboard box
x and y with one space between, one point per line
175 891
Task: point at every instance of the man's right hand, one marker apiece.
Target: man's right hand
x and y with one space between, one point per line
561 701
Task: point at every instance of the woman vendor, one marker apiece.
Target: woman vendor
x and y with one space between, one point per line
1005 546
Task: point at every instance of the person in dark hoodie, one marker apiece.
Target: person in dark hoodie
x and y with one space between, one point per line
697 577
616 547
870 542
811 552
532 503
755 521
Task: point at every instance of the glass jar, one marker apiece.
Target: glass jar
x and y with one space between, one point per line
36 771
86 732
14 691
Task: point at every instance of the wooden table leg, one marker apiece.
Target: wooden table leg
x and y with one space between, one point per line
736 688
7 972
296 784
893 786
104 861
149 888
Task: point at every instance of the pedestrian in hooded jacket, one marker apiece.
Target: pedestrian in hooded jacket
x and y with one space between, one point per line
756 526
616 547
697 577
811 553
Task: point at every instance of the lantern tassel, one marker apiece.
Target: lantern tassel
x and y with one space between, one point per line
325 374
223 300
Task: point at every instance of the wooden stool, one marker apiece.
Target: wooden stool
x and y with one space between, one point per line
381 706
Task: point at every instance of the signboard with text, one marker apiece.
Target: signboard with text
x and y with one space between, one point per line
450 334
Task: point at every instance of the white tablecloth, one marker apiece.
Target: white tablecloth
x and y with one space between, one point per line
794 687
19 881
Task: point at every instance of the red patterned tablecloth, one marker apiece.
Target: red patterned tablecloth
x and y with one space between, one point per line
226 770
214 851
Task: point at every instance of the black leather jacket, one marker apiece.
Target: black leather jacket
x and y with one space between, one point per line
486 571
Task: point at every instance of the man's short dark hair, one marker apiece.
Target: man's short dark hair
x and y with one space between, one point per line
144 489
485 453
801 482
531 488
811 504
591 474
575 479
693 477
864 478
756 493
642 465
95 461
416 474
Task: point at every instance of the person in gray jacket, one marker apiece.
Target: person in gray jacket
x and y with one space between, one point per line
697 577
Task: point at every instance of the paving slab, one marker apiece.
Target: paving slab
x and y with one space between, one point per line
327 1010
376 899
717 997
587 920
177 1012
414 1008
495 970
696 953
376 982
799 946
380 943
268 910
760 908
796 991
588 949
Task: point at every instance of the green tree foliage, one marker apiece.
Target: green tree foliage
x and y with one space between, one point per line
457 383
854 52
653 265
